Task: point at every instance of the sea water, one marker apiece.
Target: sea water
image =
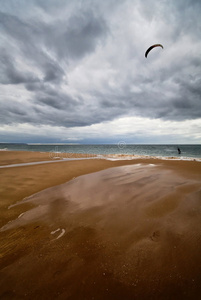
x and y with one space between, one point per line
165 151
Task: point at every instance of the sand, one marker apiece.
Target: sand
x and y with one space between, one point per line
98 229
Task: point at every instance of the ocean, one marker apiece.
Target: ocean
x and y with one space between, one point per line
155 150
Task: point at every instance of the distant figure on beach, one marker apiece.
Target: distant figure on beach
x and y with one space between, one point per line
179 151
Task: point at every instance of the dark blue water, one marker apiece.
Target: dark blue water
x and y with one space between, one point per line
187 151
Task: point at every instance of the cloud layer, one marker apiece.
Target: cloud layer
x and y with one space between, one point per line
75 64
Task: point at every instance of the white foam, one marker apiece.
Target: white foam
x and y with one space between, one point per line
115 157
57 230
20 215
61 234
53 232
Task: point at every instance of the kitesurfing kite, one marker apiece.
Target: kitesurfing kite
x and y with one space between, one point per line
153 46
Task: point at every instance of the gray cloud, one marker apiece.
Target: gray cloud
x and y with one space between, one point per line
9 74
76 64
79 36
46 45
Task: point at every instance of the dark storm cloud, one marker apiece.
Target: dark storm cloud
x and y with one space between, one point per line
53 72
9 74
59 101
55 51
76 37
27 39
13 112
67 39
45 46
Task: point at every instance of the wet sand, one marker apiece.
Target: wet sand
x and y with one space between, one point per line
129 231
8 158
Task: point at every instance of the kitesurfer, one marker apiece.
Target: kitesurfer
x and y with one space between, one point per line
150 48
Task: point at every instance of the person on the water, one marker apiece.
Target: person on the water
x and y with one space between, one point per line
179 151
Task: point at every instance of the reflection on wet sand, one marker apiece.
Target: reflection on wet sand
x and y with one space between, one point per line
122 233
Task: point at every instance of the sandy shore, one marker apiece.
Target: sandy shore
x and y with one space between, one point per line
19 157
126 230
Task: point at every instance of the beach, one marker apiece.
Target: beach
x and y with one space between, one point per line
99 229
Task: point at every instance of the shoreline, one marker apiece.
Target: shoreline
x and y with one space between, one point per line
123 224
23 158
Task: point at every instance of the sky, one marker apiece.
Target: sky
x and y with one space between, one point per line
74 71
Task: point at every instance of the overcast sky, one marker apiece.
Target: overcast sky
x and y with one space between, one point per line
75 71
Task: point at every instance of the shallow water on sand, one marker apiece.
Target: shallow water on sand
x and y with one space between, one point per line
125 232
